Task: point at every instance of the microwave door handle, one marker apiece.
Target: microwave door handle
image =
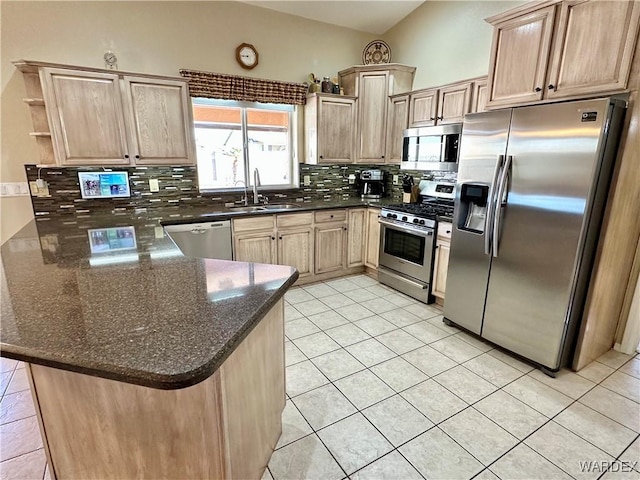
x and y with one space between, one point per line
497 207
488 221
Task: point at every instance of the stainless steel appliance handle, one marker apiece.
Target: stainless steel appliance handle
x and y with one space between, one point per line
497 208
488 221
404 279
417 232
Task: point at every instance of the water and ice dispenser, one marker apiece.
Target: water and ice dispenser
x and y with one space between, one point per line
473 207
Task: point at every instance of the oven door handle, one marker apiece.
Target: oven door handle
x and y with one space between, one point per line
419 233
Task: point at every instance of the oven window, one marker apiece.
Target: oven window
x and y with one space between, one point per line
404 245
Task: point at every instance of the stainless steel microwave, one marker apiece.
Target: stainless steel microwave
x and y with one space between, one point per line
431 148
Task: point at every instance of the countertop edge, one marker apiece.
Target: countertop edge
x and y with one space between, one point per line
147 379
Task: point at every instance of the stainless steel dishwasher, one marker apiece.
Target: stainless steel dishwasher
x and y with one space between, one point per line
203 240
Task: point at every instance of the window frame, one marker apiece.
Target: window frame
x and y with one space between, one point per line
243 105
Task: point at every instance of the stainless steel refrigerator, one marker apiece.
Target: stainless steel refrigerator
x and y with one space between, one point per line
532 186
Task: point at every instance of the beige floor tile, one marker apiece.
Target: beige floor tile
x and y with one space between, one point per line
510 360
399 341
434 401
306 458
316 344
632 454
320 290
364 389
337 300
474 341
294 425
266 475
621 475
363 281
292 354
400 317
380 305
493 370
297 295
623 384
354 312
378 290
392 466
596 372
456 349
522 463
25 467
311 307
327 320
428 360
323 406
360 295
375 325
19 438
299 328
370 352
437 321
594 427
435 455
614 406
302 377
400 300
537 395
398 374
354 442
425 332
15 406
7 364
347 334
511 414
614 359
290 313
422 311
342 285
569 383
465 384
566 450
397 419
485 440
486 474
338 364
5 378
632 367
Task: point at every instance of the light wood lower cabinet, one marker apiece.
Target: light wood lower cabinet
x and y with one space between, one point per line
372 239
295 248
441 262
330 247
226 426
356 236
256 247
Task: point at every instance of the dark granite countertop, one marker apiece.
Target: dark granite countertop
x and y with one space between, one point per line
137 312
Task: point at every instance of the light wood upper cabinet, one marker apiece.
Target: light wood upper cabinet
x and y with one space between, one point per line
373 102
330 124
480 96
295 249
355 237
330 247
101 117
372 245
594 47
423 108
454 102
397 122
160 126
86 117
566 49
519 57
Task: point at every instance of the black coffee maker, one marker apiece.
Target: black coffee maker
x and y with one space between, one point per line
372 184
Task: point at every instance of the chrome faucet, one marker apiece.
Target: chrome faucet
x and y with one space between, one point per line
256 184
245 199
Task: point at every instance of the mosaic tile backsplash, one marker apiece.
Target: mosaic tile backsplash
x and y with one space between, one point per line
179 188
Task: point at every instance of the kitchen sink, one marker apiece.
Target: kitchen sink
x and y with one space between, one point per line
263 208
242 208
281 206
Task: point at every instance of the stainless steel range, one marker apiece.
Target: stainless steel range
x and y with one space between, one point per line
407 239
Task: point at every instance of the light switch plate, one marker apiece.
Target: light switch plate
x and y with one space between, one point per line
154 185
396 179
306 180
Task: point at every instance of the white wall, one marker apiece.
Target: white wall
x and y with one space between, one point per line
446 40
150 37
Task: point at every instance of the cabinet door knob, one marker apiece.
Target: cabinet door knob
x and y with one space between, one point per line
137 157
382 156
440 118
321 156
448 231
345 228
432 118
330 216
538 89
280 237
551 87
126 156
273 238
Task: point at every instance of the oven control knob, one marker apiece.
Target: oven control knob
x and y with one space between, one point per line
421 222
404 219
415 220
392 215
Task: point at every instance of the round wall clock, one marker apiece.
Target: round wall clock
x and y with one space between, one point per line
376 52
247 56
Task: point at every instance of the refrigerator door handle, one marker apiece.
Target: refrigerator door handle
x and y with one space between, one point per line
497 206
491 206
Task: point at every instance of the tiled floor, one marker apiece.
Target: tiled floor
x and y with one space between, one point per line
379 388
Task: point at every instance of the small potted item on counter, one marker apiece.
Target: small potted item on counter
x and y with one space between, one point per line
327 86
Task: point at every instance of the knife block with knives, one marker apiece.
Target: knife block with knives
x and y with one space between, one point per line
409 189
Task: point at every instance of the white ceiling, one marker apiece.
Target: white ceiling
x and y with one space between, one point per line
373 16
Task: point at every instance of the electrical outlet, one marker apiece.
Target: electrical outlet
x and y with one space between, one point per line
154 185
37 190
306 180
159 232
396 179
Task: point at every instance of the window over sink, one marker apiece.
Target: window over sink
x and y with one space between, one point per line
234 138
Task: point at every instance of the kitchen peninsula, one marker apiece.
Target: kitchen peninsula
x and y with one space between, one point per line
142 362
